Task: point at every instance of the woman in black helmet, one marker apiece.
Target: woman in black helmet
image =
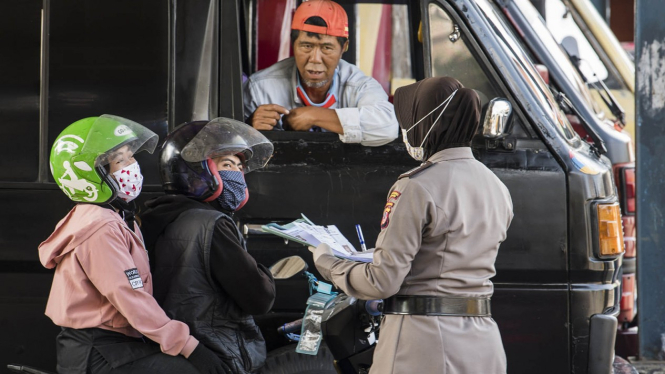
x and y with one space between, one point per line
201 267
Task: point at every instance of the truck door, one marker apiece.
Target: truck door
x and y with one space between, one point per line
530 302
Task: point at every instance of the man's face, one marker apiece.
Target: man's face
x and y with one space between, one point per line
316 58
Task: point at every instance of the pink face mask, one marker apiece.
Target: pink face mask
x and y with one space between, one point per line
130 181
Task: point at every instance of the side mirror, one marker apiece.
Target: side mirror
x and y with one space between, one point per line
288 267
497 117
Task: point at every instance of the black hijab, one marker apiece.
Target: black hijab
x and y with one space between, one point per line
457 125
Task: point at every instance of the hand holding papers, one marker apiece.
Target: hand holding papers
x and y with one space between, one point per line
303 231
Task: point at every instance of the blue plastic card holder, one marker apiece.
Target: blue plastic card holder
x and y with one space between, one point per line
310 336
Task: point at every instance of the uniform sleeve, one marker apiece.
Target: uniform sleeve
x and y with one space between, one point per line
249 284
372 121
408 211
105 257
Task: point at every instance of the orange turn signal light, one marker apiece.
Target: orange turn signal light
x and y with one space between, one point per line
610 230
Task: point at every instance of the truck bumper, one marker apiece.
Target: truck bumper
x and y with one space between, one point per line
602 334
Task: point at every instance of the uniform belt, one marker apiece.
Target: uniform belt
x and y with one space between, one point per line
438 306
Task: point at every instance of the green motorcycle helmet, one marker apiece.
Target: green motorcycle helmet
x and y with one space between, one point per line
81 153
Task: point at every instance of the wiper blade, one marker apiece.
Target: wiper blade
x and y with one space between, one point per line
609 99
598 143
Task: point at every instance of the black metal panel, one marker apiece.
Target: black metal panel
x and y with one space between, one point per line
196 61
230 65
327 180
28 336
20 48
535 250
109 57
27 218
534 329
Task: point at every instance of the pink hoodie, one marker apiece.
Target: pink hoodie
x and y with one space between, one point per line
102 279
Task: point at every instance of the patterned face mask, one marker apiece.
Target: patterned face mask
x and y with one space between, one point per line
234 194
418 153
130 182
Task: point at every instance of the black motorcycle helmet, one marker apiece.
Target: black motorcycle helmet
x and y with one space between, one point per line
186 159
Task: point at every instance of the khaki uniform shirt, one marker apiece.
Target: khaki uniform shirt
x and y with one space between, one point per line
441 231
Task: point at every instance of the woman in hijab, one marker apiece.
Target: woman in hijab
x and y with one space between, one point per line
440 234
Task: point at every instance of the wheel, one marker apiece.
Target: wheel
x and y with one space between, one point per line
286 360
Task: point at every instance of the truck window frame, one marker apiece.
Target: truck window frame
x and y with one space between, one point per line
564 129
519 123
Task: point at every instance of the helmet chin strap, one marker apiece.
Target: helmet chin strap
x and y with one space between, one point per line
110 182
126 211
215 174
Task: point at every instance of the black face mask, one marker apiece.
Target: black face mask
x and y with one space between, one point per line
234 194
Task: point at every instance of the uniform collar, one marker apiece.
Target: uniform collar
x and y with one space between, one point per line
452 154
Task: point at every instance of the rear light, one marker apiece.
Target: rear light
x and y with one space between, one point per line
627 304
624 176
629 189
629 236
610 230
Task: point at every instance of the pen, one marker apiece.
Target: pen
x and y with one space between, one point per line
361 238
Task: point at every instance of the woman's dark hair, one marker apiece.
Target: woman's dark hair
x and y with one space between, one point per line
316 21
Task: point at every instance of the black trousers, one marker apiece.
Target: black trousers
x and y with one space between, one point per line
98 351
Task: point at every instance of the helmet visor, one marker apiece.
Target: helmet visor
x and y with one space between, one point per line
224 136
110 133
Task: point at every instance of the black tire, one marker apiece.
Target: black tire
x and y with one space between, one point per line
286 360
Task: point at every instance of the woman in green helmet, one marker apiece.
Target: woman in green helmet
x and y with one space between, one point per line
102 288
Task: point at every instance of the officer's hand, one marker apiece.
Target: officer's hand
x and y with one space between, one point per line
265 117
320 250
301 119
207 362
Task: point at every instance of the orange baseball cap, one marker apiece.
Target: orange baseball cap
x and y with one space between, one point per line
329 11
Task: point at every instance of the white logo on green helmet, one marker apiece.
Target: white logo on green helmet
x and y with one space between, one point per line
123 130
73 184
64 145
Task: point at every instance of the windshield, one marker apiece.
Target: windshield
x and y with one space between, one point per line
559 55
567 32
525 68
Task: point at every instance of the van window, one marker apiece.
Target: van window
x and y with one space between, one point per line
452 57
20 43
379 39
383 44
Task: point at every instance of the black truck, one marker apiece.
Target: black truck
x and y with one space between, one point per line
164 63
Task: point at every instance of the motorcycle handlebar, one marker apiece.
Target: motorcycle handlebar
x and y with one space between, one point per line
374 307
290 327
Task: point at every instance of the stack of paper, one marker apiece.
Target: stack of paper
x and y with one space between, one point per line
303 231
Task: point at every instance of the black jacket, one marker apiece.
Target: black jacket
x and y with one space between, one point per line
204 277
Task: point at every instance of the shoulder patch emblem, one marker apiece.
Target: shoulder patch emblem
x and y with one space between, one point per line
385 219
415 171
134 278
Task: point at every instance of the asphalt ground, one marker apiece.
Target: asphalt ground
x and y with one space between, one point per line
622 366
653 367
